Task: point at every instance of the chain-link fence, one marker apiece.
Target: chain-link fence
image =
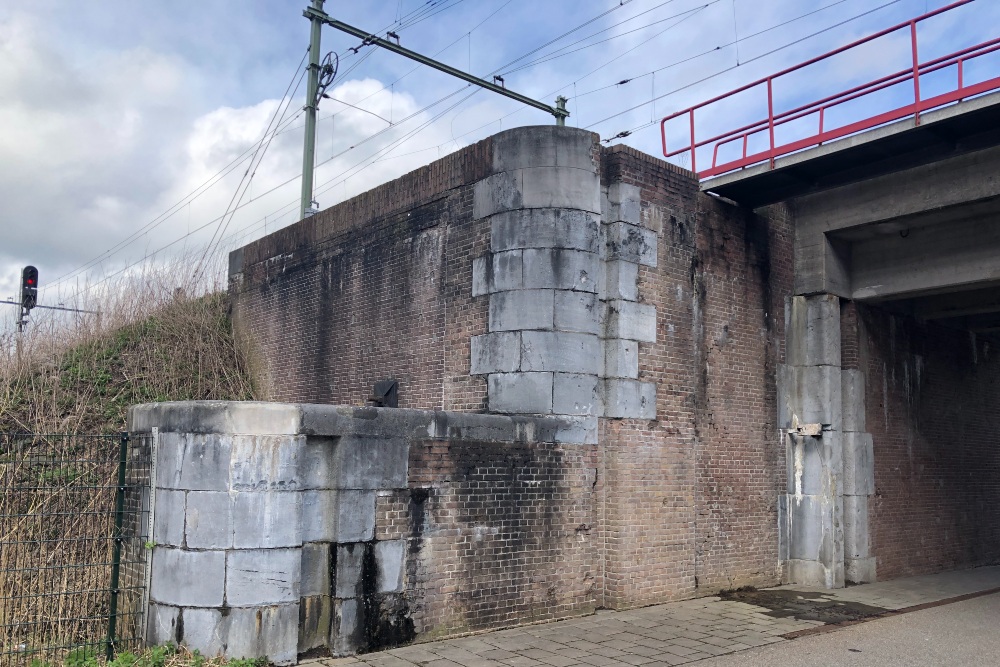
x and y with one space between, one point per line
74 520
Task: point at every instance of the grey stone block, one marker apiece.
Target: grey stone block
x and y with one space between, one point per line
338 516
624 203
629 243
621 280
496 353
315 569
256 577
559 268
168 518
270 632
814 573
544 228
520 393
193 462
631 321
373 463
320 512
809 519
812 331
391 558
577 431
346 632
561 187
266 462
188 578
577 311
267 520
350 562
524 309
856 544
812 395
545 146
805 466
859 464
499 272
629 399
853 383
860 570
575 394
206 631
219 417
783 528
315 616
482 275
208 520
355 516
621 358
161 626
560 351
497 193
356 461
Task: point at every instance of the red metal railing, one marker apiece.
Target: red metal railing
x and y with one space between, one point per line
820 107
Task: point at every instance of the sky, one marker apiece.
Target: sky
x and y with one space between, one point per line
127 128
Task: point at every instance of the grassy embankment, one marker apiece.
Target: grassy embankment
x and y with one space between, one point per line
79 376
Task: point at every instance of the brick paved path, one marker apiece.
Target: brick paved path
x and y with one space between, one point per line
668 634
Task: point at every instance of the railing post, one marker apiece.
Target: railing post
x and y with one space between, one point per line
770 116
916 73
694 168
116 555
961 76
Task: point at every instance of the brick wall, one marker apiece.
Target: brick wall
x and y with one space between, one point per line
499 533
678 506
372 289
933 396
690 498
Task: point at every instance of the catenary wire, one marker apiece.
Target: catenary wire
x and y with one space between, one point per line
518 110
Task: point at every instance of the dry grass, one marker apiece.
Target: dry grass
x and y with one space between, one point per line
151 342
77 375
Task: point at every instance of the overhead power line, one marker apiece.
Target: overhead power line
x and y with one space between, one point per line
383 152
733 67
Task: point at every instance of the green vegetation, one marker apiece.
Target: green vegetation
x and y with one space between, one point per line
73 382
157 656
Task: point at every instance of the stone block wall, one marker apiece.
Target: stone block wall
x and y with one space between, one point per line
284 529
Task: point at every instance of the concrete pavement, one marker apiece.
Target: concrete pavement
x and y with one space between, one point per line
702 629
962 633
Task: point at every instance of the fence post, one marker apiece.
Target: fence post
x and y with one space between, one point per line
116 556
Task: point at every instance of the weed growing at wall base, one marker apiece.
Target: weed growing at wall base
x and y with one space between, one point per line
157 656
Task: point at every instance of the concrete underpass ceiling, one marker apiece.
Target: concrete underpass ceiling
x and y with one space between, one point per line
971 306
976 310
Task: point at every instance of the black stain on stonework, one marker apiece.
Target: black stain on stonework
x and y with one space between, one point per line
758 256
179 628
385 617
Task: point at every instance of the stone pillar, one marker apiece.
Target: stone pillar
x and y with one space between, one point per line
859 481
564 317
542 354
810 415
